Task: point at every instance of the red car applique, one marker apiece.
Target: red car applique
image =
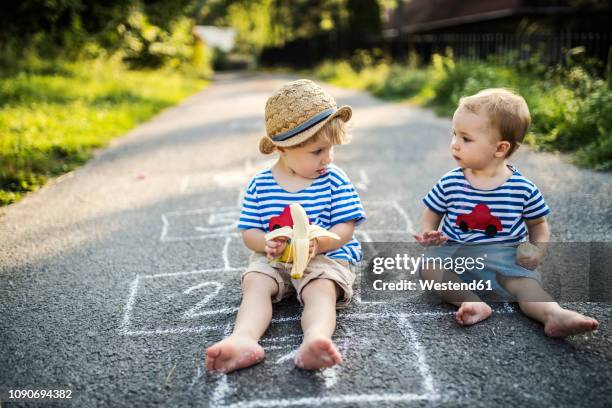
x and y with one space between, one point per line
282 220
480 219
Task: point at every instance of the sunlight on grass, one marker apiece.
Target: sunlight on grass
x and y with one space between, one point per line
49 123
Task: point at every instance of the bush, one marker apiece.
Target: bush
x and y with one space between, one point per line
401 82
145 45
450 81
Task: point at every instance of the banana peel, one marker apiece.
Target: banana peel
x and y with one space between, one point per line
299 235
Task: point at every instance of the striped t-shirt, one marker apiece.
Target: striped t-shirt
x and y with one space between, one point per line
486 216
329 200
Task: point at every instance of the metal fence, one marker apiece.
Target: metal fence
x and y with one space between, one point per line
550 48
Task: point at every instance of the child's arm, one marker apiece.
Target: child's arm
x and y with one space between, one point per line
254 239
539 232
345 232
430 221
539 235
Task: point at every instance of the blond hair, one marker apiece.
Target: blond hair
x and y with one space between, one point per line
506 111
335 132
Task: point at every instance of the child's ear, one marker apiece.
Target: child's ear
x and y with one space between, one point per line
503 148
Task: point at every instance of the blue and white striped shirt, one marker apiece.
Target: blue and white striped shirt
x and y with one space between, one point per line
329 200
507 206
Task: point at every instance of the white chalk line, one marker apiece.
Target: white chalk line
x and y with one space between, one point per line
240 198
178 330
127 313
330 374
204 271
343 399
226 262
409 224
223 388
357 316
276 347
220 391
201 237
283 338
289 356
197 376
364 180
200 211
164 232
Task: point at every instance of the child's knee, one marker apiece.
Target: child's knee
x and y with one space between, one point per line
317 287
524 287
431 274
258 282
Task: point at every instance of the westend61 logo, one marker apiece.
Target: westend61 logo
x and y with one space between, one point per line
412 264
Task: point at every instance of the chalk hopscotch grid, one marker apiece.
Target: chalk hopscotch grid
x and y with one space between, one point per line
429 393
222 388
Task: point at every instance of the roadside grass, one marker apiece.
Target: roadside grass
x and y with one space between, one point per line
52 117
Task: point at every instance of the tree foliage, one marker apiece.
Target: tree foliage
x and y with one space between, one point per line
266 23
63 28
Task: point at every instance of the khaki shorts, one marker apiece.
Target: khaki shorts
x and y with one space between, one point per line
320 266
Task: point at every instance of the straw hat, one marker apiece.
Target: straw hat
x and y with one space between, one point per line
296 112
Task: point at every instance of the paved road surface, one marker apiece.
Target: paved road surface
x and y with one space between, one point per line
115 277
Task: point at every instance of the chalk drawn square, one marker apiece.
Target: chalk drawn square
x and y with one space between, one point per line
203 223
192 301
396 372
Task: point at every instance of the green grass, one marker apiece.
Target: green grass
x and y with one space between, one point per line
52 119
571 108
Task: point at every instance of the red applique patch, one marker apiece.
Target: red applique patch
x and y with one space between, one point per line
480 219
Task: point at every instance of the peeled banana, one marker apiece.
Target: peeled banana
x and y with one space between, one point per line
297 250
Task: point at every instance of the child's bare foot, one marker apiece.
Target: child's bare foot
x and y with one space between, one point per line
472 312
316 353
567 322
233 353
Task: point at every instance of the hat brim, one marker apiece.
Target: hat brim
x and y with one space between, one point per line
344 113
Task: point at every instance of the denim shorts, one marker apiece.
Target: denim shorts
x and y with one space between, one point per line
498 260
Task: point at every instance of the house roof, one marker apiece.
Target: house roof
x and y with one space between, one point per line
425 15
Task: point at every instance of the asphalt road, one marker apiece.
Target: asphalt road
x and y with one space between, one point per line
115 277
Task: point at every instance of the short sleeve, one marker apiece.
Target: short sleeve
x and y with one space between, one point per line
535 206
436 199
250 214
346 204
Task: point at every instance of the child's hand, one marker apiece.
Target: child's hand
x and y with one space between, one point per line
275 247
430 238
528 255
313 247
